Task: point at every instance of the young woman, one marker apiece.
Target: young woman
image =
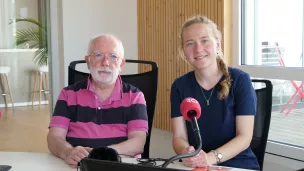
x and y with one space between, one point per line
226 96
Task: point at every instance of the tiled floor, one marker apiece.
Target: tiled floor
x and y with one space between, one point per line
288 129
161 144
24 128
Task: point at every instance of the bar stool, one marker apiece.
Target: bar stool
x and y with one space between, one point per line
43 71
4 70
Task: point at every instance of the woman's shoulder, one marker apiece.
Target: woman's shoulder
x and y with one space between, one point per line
236 73
239 78
183 79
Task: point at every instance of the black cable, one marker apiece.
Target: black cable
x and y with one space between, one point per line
150 161
143 161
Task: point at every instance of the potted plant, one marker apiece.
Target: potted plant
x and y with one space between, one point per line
33 38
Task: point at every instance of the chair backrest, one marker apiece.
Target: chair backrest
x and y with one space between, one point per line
146 82
262 120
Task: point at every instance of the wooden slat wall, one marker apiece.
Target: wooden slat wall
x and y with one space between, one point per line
159 23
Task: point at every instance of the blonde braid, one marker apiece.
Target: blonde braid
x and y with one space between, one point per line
226 83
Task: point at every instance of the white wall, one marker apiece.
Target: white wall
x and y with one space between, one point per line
30 8
85 19
56 45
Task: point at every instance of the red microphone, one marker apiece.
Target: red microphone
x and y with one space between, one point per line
189 108
191 111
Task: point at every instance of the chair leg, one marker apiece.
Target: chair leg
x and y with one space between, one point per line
46 81
293 105
3 89
47 87
34 90
298 90
40 87
9 90
286 105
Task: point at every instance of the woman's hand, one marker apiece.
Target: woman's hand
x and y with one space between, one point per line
199 160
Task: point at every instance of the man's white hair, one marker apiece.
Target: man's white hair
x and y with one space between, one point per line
119 46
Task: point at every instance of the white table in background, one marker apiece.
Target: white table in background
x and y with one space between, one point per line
28 161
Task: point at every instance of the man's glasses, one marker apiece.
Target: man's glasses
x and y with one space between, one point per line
98 57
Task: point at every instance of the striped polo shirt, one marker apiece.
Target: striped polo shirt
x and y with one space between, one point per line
91 123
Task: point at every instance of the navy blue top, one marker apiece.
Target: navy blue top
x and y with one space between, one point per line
217 122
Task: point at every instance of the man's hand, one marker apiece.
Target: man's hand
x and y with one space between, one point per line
199 160
73 155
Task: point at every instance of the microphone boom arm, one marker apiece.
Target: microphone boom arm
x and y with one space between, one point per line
198 139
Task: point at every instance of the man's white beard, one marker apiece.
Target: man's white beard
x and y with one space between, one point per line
104 75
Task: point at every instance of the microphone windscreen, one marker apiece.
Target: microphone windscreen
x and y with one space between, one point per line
104 153
192 105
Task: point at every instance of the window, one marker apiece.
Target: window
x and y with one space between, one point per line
287 113
269 45
14 9
20 58
273 31
7 13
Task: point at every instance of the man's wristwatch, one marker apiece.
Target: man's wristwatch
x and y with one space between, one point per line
217 155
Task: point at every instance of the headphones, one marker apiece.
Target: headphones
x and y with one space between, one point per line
104 153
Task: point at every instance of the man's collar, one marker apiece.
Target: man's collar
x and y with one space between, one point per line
117 92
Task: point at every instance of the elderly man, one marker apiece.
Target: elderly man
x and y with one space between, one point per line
100 111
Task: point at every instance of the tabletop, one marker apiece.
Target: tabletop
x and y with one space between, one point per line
28 161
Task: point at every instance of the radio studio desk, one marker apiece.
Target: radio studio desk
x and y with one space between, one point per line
27 161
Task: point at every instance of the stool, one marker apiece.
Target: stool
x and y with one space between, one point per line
4 70
42 71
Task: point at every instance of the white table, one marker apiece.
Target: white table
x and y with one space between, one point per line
27 161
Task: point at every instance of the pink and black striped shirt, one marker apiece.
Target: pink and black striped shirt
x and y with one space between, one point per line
91 123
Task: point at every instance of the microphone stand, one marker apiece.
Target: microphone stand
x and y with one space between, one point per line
198 139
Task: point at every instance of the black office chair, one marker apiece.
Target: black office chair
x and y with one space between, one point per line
146 82
262 120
